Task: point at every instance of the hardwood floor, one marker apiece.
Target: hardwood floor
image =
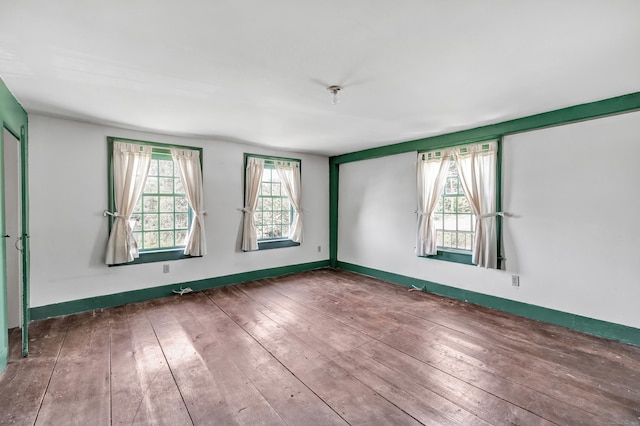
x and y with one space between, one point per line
318 348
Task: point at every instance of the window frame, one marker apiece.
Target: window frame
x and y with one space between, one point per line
462 256
160 255
276 242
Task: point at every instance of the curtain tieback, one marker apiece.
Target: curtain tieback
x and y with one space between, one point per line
115 214
246 210
421 213
201 213
488 215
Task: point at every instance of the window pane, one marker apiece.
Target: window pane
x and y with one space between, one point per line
265 189
166 204
150 203
151 185
166 239
181 238
451 186
449 204
463 205
153 169
150 240
182 221
166 221
179 189
450 222
165 168
182 205
138 207
150 223
267 204
166 185
448 237
464 222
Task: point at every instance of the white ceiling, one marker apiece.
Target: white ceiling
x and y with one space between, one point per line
257 71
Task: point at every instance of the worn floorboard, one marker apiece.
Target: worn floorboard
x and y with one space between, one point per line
318 348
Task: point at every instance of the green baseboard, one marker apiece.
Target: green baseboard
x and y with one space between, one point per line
110 300
587 325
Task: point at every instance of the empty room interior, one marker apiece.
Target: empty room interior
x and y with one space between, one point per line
315 213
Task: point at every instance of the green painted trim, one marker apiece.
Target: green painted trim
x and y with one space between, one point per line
4 358
110 300
611 106
15 119
587 325
164 147
268 245
334 187
452 256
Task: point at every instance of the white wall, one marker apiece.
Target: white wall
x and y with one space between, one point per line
575 240
68 193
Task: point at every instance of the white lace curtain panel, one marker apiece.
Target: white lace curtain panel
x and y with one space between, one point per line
290 177
190 171
131 164
253 177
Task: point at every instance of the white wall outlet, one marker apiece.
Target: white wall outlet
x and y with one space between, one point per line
165 268
515 280
319 249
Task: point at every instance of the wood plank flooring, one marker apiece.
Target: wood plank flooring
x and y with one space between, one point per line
318 348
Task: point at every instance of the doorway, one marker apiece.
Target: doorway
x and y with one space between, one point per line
12 238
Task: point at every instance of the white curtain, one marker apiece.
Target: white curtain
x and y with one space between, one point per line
432 170
130 169
290 177
253 177
190 170
477 172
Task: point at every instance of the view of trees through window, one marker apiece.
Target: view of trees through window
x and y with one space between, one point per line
273 215
161 216
454 221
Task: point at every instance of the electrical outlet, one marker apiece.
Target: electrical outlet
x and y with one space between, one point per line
319 249
165 268
515 280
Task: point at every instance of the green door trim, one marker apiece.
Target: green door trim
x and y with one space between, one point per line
15 119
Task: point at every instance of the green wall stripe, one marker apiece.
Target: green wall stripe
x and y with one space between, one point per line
611 106
592 326
110 300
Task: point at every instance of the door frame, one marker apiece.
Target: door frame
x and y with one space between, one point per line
15 119
24 227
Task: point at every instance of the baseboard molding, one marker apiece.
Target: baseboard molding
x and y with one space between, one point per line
587 325
111 300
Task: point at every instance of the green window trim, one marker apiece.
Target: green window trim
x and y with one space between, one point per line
160 152
450 254
279 241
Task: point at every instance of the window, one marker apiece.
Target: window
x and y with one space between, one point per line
453 217
272 203
274 212
162 214
161 218
458 204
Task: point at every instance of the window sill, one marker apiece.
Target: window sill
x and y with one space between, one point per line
158 256
455 256
268 245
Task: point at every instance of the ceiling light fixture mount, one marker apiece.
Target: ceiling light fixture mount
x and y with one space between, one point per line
334 93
